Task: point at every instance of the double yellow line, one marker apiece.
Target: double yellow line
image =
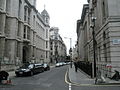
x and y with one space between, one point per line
77 84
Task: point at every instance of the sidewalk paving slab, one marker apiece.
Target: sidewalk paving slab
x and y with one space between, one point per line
81 77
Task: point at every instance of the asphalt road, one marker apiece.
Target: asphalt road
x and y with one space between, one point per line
48 80
51 80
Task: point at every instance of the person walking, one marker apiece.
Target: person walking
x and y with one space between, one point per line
76 66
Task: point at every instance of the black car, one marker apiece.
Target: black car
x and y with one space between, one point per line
46 67
29 69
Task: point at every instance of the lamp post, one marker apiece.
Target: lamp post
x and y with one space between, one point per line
0 62
70 51
93 34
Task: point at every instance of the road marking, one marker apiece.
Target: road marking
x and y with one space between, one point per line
77 84
70 86
66 77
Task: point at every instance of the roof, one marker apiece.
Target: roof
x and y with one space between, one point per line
44 12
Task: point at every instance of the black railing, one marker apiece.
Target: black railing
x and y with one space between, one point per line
86 67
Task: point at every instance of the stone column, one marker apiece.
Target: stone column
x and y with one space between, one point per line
2 23
2 28
3 5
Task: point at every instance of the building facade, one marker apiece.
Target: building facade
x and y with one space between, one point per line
24 33
74 53
57 46
100 23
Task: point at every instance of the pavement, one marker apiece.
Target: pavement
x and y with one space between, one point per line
81 78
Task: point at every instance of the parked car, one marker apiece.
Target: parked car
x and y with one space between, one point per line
57 65
46 67
29 69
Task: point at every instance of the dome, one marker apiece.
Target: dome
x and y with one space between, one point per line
45 13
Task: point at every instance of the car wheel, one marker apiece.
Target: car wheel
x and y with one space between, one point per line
31 73
17 75
43 70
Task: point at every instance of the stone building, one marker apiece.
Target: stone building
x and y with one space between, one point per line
24 33
74 53
57 46
102 17
82 34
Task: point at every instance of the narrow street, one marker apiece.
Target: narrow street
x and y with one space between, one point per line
49 80
52 80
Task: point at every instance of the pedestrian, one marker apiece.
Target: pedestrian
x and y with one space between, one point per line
3 76
98 75
76 66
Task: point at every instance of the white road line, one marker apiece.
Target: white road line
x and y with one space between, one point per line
69 86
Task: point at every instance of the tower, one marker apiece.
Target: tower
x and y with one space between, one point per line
45 16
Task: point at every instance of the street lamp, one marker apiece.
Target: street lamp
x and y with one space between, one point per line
94 42
70 51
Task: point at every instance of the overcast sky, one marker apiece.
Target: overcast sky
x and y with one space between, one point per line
63 14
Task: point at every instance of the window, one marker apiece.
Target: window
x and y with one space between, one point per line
103 11
51 48
46 44
24 35
25 13
104 35
47 21
34 21
51 43
28 33
51 53
94 3
19 9
29 11
46 33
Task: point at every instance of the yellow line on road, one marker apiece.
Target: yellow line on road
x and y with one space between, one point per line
77 84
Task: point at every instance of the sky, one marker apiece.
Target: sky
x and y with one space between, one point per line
64 15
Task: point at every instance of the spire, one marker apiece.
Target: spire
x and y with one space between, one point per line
44 6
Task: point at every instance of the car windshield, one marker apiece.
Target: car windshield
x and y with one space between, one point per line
45 65
24 66
31 66
27 66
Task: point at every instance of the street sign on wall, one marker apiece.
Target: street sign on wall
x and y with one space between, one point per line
116 41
